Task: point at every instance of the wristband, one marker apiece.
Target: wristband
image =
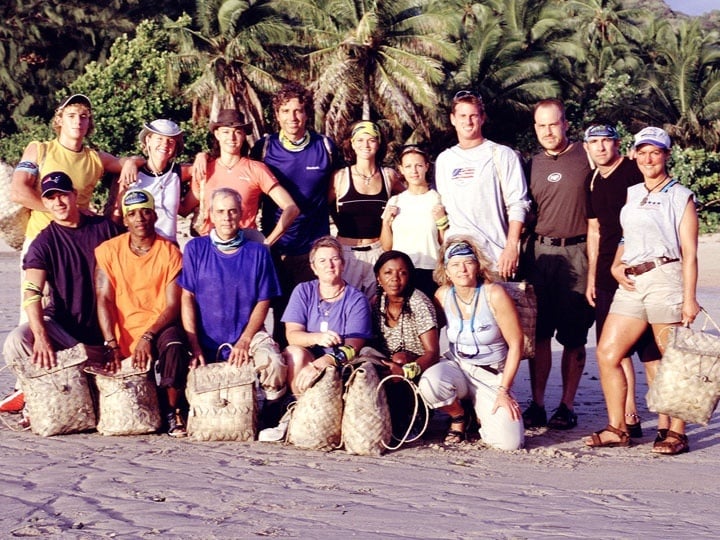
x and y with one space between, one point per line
343 354
411 370
31 300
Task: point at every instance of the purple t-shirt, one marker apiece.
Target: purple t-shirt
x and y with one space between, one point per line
67 254
348 316
227 287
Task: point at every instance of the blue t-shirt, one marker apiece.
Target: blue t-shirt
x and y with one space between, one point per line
349 316
306 176
67 254
227 287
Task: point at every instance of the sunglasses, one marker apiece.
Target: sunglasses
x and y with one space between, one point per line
601 130
467 93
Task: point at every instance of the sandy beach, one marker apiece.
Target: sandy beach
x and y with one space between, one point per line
90 486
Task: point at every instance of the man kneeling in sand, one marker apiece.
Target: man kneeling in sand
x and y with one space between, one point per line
227 284
138 303
62 255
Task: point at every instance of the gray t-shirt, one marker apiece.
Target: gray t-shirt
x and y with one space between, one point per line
559 187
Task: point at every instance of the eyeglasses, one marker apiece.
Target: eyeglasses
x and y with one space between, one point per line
467 93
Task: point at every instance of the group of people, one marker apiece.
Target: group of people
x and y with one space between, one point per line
602 238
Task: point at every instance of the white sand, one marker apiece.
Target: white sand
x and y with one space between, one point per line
89 486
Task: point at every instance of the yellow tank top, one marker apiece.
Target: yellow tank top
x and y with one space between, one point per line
84 167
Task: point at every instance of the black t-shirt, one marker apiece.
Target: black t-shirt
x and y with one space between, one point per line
606 198
67 255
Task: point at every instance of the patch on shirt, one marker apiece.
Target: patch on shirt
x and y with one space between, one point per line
554 177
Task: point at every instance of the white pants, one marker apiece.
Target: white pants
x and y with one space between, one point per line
359 267
451 380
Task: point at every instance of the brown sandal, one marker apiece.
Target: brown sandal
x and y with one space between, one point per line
455 436
673 444
596 440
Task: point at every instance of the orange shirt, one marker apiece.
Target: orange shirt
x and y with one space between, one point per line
139 284
248 177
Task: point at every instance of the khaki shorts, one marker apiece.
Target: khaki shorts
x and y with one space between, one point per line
657 298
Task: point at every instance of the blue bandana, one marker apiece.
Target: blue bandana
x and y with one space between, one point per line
459 249
227 245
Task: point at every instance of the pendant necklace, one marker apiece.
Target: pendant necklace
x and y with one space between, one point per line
228 167
366 178
644 200
469 302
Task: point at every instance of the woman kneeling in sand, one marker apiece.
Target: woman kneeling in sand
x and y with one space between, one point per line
485 348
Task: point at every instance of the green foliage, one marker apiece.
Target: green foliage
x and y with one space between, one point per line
134 86
699 170
31 129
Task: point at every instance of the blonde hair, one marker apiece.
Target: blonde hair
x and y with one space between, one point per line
484 272
57 119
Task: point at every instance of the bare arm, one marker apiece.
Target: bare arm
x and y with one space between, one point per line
240 353
105 294
290 211
593 249
509 322
43 353
23 186
188 314
126 167
508 261
688 247
143 349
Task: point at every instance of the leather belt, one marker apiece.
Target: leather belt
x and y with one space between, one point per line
647 266
361 248
561 242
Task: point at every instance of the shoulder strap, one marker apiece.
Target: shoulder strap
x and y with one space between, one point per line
484 287
328 146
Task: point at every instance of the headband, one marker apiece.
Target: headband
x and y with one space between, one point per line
366 128
459 249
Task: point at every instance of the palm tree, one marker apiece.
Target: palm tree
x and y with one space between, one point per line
233 48
375 59
683 82
512 48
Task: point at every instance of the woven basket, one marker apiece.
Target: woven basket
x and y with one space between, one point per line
57 400
316 419
366 426
222 403
128 402
523 295
13 217
687 384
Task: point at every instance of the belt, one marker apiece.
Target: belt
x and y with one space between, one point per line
647 266
361 248
561 242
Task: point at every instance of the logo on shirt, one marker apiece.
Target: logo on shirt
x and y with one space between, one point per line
463 173
312 168
554 177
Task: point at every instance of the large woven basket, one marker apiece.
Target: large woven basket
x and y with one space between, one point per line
13 217
523 295
316 419
366 426
57 400
128 402
687 384
222 403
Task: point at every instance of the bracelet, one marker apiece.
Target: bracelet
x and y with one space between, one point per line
502 388
148 336
442 223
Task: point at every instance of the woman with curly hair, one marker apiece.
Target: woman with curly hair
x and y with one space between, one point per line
485 347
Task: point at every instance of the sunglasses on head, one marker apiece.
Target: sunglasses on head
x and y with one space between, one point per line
467 93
